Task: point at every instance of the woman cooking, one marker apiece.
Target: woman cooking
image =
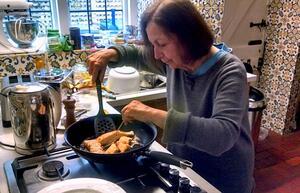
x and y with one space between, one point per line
207 118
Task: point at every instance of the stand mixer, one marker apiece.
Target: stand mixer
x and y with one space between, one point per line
19 9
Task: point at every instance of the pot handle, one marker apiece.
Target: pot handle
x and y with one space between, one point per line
57 105
169 159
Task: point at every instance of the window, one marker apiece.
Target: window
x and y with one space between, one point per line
42 11
94 15
89 15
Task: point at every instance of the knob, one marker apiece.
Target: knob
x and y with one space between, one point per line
196 189
174 179
164 169
184 185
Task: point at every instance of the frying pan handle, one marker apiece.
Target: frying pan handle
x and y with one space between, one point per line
169 159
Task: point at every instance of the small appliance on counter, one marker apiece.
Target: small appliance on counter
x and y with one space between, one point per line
54 77
22 31
35 111
6 82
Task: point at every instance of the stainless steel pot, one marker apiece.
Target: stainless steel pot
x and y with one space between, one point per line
35 110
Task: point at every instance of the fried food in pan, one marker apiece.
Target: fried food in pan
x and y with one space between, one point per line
111 142
123 146
93 146
112 136
112 149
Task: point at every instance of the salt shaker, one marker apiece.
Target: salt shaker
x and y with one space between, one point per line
69 103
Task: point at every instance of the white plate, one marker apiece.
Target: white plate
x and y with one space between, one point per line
83 185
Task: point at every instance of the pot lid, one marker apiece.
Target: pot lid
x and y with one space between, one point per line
125 70
23 88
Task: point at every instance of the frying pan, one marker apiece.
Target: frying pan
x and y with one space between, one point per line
83 129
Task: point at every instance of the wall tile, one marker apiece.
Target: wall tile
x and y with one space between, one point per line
279 80
25 64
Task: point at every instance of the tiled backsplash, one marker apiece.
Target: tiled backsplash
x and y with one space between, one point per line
25 63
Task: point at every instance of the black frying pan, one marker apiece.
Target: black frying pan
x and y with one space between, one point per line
83 129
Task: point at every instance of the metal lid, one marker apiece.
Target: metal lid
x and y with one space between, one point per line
52 74
25 88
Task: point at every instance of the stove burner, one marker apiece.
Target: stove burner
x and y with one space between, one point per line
53 170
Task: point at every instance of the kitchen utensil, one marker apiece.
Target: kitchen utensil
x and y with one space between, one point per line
102 123
83 185
123 80
121 125
146 133
35 112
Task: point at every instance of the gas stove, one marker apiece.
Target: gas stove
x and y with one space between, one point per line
31 173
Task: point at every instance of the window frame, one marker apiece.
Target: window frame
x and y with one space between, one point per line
61 18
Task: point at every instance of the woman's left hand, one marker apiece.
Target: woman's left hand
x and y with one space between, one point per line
136 110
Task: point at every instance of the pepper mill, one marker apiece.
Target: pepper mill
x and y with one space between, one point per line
69 103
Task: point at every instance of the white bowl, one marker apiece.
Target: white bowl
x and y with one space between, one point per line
123 80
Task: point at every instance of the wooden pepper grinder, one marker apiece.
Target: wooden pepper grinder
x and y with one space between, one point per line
69 103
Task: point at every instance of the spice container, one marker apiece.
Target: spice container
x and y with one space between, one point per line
69 103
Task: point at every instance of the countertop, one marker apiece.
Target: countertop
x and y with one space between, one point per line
6 136
152 94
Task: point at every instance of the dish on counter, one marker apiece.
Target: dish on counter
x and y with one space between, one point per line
86 185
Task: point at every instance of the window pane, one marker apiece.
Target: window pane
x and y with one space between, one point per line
80 19
45 18
78 5
41 10
100 14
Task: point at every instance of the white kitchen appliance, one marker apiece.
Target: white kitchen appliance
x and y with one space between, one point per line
18 9
54 78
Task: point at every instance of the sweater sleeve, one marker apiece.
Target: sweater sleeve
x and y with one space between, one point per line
136 57
218 132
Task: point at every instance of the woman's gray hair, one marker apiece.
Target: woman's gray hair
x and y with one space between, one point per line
182 19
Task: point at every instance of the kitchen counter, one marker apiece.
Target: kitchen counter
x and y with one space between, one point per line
152 94
6 136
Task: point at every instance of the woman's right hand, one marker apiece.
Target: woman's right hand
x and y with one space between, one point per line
98 61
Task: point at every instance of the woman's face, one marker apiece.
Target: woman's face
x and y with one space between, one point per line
166 47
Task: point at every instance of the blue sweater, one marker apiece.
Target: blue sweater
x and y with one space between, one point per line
207 121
